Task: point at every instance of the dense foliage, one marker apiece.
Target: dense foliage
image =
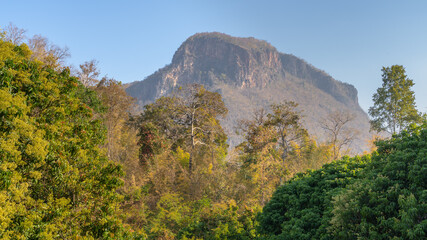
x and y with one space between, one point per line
64 140
382 197
390 200
188 189
275 147
54 180
301 208
394 102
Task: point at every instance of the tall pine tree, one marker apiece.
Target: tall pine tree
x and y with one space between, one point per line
394 103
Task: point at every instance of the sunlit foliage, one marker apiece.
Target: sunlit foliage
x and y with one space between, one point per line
54 180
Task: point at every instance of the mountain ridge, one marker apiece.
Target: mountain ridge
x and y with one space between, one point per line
251 73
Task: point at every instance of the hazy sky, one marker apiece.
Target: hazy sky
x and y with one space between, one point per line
131 39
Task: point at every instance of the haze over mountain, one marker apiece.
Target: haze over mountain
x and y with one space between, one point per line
250 74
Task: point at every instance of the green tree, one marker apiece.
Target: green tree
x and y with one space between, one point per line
378 196
390 201
118 104
269 138
182 144
261 164
190 119
301 208
394 103
286 122
172 202
220 221
55 183
197 112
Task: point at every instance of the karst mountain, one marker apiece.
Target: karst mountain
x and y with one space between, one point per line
250 74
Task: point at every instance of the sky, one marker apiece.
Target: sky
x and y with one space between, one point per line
350 40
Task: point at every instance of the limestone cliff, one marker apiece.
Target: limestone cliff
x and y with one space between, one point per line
249 74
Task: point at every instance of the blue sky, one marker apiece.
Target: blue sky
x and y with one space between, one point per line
350 40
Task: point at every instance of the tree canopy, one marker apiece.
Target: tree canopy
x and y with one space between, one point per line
394 103
54 180
300 209
190 118
65 138
371 197
390 200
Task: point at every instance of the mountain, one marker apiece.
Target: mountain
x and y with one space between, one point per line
250 74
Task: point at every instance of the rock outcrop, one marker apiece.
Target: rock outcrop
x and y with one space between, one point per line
250 73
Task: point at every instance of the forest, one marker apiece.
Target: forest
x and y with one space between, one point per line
77 161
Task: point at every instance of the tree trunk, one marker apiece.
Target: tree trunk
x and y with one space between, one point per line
284 155
190 160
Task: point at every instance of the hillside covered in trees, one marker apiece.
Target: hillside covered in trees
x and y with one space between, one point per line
76 163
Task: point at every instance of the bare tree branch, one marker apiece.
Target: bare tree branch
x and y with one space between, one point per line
14 34
339 132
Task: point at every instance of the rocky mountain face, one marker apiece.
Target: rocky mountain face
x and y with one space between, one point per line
250 74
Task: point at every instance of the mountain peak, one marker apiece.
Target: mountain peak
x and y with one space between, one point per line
248 43
243 62
250 73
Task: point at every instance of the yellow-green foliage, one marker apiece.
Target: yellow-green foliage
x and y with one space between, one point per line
54 181
182 156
